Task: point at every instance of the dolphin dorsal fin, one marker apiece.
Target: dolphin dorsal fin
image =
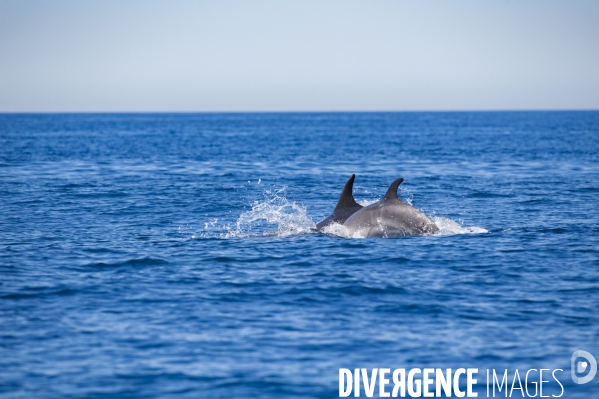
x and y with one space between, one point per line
392 191
346 199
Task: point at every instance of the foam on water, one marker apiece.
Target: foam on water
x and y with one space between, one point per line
449 227
336 229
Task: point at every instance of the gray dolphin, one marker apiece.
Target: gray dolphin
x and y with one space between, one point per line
346 206
390 217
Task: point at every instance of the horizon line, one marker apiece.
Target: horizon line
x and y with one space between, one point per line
308 111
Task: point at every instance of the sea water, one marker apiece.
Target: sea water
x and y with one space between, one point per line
174 255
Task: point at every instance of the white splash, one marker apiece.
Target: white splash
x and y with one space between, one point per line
449 227
211 223
336 229
339 230
275 211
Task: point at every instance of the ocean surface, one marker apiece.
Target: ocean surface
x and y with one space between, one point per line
175 256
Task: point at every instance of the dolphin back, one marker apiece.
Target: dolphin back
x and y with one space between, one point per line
346 206
390 217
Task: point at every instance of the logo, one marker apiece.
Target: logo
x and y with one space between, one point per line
579 366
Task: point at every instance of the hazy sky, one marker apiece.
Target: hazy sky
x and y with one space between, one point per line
115 55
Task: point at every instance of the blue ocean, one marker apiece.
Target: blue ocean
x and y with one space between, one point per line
175 255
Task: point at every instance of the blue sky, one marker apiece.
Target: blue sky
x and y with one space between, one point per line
298 55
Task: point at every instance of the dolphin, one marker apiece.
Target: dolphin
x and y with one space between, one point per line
389 217
346 206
